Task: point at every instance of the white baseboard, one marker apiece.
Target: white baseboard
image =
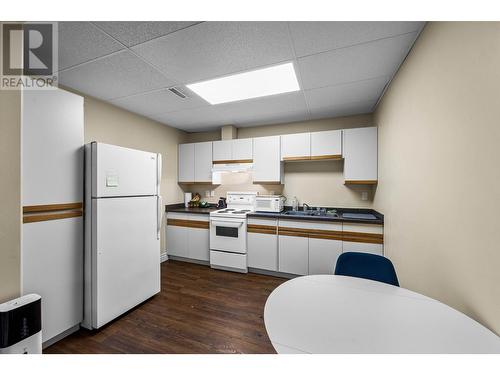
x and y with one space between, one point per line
163 257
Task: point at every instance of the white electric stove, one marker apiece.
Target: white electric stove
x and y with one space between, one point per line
228 232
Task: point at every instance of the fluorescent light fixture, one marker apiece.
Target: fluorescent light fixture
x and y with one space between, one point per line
277 79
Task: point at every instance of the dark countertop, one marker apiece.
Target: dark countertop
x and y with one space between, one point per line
340 212
380 218
179 207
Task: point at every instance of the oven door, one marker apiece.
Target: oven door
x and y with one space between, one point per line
229 235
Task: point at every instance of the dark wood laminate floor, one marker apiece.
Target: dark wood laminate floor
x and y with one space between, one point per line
199 310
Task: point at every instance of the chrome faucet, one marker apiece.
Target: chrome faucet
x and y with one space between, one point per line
304 205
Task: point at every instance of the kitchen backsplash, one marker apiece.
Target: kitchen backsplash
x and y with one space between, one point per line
318 183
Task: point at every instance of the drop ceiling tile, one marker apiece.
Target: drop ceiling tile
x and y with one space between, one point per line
261 109
80 42
132 33
160 101
350 64
212 49
314 37
332 96
114 76
196 119
345 109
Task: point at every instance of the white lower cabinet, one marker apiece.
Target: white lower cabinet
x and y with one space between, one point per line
262 244
361 247
198 243
363 238
294 255
177 241
184 239
323 254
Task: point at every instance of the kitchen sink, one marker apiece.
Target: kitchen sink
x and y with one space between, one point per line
311 213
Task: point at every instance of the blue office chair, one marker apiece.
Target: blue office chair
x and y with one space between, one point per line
366 266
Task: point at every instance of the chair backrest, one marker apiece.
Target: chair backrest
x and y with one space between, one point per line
367 266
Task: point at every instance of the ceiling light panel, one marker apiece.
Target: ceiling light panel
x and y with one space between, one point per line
253 84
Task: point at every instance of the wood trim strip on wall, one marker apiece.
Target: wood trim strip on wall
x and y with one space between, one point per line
360 182
188 223
327 157
52 207
239 161
55 216
186 182
296 158
263 229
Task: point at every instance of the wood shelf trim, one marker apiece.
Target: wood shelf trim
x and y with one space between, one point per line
263 229
239 161
296 158
188 223
360 182
54 216
267 182
327 157
52 207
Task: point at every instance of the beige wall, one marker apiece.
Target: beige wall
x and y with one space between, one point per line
318 183
10 194
439 138
109 124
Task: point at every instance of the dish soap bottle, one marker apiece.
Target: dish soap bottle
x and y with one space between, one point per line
295 204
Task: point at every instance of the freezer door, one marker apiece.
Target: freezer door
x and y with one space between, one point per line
52 266
125 255
119 171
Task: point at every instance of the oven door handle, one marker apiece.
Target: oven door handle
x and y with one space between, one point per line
230 224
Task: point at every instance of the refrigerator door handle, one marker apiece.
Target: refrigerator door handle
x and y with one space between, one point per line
158 172
159 216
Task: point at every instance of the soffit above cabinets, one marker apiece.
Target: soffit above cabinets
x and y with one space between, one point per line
342 67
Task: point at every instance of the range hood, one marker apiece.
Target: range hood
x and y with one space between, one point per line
221 169
232 167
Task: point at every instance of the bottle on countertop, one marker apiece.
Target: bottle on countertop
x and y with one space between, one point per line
295 204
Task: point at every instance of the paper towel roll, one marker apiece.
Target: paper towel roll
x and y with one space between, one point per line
187 198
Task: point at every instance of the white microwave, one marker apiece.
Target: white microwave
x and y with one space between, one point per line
269 203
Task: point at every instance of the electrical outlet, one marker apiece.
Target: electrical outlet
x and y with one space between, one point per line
212 193
364 195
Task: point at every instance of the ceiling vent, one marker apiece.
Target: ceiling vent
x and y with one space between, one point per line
177 91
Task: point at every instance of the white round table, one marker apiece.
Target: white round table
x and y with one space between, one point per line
340 314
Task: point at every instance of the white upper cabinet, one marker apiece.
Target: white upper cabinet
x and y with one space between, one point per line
242 149
296 146
223 150
360 154
186 163
326 145
233 150
195 162
203 162
267 165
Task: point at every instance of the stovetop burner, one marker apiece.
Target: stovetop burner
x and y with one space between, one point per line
232 211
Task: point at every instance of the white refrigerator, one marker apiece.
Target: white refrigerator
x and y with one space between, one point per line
123 213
